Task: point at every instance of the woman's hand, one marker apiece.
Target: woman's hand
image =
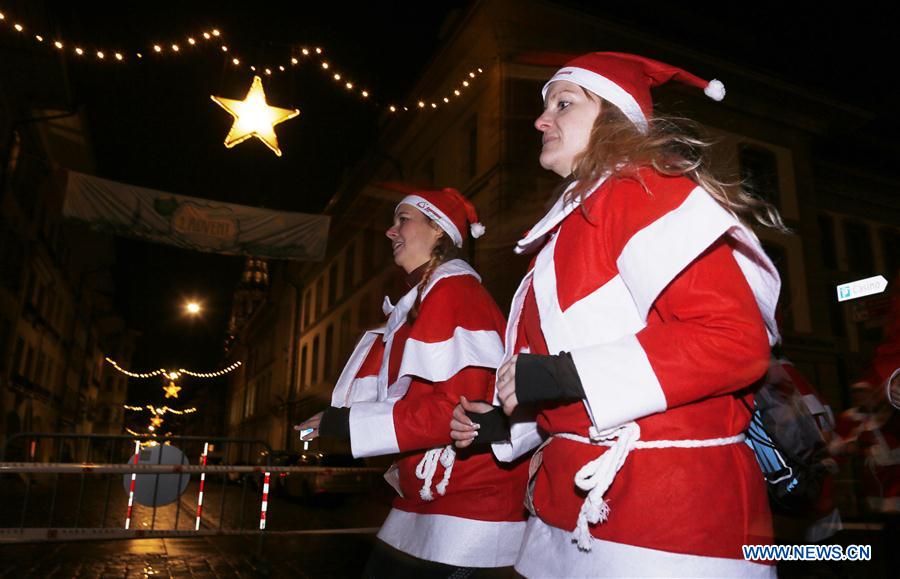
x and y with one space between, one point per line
311 422
506 385
462 430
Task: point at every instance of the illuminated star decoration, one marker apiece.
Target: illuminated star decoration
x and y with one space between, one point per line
172 389
156 421
253 117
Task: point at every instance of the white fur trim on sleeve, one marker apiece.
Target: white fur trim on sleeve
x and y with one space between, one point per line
523 436
619 383
372 430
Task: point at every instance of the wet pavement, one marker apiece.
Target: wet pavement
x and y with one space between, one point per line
213 557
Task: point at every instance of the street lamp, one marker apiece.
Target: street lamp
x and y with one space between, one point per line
193 308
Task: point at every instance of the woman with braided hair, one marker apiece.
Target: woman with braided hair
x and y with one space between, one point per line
646 316
457 514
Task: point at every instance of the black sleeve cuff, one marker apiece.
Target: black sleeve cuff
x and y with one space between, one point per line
540 377
335 423
494 425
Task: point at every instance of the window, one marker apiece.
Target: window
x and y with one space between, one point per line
39 369
5 332
826 239
304 379
859 247
17 356
890 248
778 255
349 268
471 156
332 284
759 171
329 350
835 312
29 360
315 361
320 296
307 311
345 336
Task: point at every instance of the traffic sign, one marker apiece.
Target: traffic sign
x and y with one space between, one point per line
861 288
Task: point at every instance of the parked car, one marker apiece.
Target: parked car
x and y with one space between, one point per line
309 485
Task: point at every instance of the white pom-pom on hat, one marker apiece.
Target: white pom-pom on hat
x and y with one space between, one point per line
477 230
715 90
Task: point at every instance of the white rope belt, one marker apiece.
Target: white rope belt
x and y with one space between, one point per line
596 476
428 466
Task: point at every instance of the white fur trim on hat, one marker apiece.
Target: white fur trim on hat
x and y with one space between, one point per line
603 87
477 230
715 90
434 213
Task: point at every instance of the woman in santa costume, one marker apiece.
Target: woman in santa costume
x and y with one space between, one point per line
645 317
442 340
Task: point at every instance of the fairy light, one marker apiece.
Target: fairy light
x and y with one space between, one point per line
325 65
235 61
318 51
393 109
224 48
337 76
215 32
305 52
294 60
102 53
206 35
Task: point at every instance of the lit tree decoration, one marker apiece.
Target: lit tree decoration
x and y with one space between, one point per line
253 117
172 389
156 421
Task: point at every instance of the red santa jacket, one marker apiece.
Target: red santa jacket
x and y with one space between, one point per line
401 385
657 293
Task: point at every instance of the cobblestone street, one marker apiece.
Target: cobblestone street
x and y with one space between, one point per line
305 556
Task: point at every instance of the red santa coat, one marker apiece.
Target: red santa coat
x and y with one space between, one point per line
658 296
401 384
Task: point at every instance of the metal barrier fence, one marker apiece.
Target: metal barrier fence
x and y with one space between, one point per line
60 502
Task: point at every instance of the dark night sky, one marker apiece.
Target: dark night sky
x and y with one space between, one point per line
154 125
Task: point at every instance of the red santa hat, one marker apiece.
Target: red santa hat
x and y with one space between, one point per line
449 209
625 80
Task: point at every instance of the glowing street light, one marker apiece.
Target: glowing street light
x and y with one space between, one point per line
193 308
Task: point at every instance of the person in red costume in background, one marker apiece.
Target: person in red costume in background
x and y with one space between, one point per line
646 316
457 515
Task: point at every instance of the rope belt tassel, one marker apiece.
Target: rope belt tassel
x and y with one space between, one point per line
426 468
596 476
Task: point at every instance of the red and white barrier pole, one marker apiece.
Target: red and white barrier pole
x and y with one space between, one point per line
265 503
137 457
202 483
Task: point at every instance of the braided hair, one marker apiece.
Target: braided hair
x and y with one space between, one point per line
443 251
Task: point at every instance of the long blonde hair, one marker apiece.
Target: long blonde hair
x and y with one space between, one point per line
673 146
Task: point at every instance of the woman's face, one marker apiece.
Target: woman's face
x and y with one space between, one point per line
566 123
412 236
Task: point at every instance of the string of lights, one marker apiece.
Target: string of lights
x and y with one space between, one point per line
159 410
317 57
221 372
314 56
105 54
172 374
